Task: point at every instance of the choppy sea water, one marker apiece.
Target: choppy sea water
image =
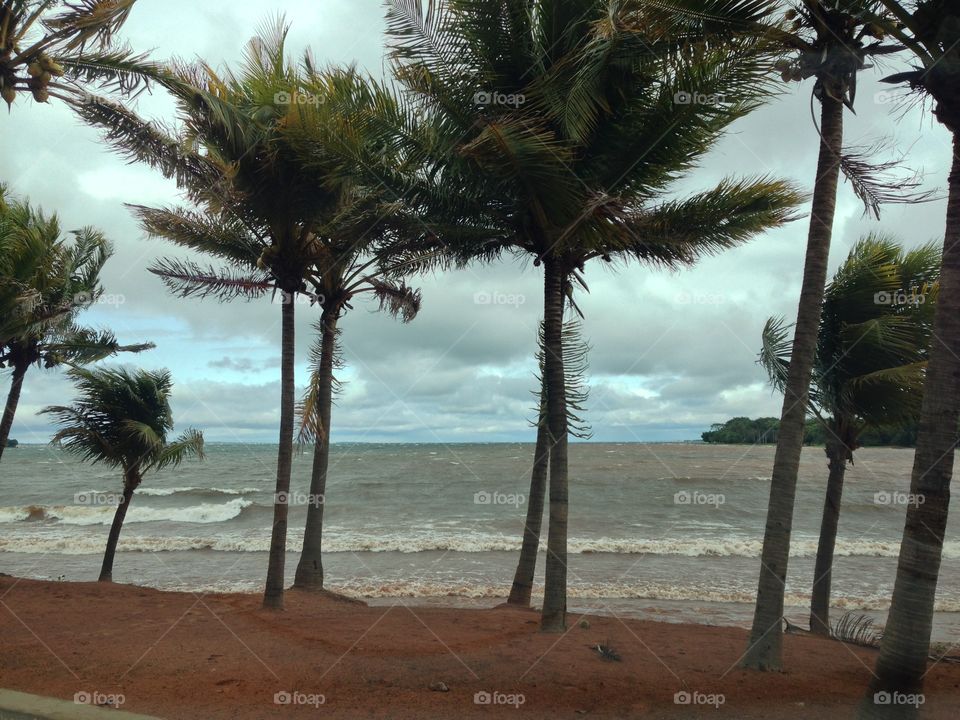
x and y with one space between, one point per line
671 531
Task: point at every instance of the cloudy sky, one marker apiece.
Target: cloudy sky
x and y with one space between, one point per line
671 352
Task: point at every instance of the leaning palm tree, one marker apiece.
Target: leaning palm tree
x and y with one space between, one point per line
65 48
122 419
46 280
264 205
559 128
872 349
930 29
830 41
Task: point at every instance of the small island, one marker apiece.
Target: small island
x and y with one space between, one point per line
764 430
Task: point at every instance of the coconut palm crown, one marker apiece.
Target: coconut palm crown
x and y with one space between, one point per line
65 49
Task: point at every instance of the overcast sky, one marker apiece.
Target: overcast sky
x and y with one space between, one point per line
671 352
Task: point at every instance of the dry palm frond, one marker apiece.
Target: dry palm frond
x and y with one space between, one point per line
856 629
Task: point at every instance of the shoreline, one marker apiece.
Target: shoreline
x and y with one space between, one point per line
189 655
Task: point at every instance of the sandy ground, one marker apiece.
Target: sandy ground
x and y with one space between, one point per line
180 655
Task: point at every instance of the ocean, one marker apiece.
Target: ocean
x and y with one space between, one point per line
665 531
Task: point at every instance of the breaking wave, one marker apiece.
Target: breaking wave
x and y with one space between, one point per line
338 541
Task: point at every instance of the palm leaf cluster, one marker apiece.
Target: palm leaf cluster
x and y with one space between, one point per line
559 172
67 49
46 280
875 332
123 419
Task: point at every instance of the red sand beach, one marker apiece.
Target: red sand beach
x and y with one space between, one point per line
184 655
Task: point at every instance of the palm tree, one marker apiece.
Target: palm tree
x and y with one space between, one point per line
868 373
930 29
122 419
830 41
267 202
575 352
46 280
365 248
61 48
558 127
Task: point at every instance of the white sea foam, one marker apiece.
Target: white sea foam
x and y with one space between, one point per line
103 514
340 541
165 492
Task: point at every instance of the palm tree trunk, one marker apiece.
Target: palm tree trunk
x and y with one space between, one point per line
766 637
906 638
309 574
553 618
822 575
273 592
527 565
13 399
106 569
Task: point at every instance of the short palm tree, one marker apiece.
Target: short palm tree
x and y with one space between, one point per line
122 419
930 30
61 48
872 350
558 127
46 280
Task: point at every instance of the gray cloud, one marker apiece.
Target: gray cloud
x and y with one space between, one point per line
672 352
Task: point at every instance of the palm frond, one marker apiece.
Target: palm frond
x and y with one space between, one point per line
189 279
775 351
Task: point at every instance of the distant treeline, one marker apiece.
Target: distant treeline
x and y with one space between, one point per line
742 430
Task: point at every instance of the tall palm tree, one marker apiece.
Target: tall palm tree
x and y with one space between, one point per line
830 41
266 202
365 249
872 348
122 419
63 48
930 29
559 127
46 280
